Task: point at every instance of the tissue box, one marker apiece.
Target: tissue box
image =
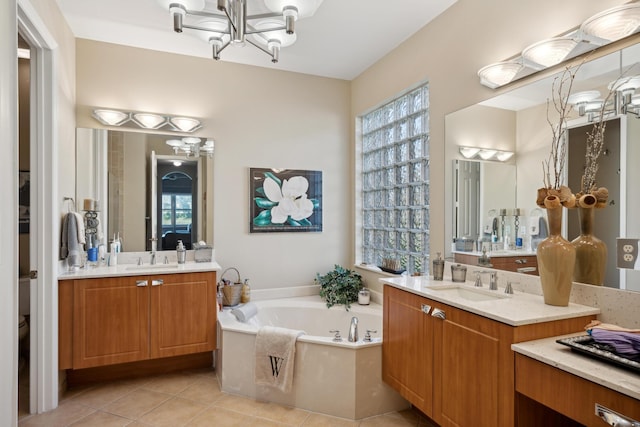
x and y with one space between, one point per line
202 253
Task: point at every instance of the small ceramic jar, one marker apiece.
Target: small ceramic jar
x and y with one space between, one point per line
364 296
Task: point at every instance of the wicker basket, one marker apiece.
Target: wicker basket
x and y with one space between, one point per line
231 293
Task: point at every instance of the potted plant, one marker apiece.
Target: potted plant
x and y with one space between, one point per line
339 286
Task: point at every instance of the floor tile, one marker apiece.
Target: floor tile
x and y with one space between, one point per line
100 396
239 404
101 419
204 390
320 420
282 414
173 413
137 403
171 383
220 417
389 420
62 416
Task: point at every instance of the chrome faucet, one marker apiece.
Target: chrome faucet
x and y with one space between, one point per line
353 330
153 258
493 281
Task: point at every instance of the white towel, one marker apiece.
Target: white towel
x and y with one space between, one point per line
80 226
245 311
275 354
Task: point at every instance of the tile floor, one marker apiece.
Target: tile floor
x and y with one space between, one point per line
192 399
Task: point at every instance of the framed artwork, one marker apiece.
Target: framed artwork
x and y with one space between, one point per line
285 200
24 194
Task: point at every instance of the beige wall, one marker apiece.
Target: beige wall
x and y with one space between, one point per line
259 118
448 52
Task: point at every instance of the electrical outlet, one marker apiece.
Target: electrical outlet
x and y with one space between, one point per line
627 251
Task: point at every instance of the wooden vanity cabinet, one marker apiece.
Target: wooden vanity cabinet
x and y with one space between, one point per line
117 320
522 263
458 370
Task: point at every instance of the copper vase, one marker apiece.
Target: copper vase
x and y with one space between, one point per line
556 260
591 252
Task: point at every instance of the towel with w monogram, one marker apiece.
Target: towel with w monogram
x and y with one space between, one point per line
275 354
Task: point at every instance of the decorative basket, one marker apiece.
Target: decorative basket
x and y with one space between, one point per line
230 293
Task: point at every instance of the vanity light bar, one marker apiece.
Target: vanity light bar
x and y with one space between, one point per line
601 29
147 120
485 154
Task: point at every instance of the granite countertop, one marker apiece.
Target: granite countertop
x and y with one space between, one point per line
139 270
515 310
548 351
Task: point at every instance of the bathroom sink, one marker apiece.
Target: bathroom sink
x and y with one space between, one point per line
471 294
152 267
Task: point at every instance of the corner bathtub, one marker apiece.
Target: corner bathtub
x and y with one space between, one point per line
340 379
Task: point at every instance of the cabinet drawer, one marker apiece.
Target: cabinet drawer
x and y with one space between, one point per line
569 394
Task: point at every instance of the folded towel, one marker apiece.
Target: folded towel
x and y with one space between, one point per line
275 354
245 311
625 341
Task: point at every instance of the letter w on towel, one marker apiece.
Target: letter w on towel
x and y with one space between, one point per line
275 354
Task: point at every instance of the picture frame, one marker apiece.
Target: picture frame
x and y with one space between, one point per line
285 200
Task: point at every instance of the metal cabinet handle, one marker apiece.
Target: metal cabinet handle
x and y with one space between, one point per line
440 314
612 418
521 261
425 308
141 283
157 282
525 269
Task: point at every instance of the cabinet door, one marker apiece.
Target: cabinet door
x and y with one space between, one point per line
110 321
468 385
183 314
407 363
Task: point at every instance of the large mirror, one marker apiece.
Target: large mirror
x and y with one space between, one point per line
146 194
517 121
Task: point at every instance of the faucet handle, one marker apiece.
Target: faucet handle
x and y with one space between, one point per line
478 283
367 336
493 281
139 260
337 337
166 259
508 289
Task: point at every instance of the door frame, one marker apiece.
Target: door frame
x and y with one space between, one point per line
44 225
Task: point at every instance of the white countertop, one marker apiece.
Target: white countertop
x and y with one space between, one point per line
499 253
515 310
139 270
562 357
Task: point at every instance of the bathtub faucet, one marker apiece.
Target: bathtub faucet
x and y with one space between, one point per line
353 330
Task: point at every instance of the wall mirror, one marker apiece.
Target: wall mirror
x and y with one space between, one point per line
516 121
146 193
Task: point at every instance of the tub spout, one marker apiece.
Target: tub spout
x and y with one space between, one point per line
353 330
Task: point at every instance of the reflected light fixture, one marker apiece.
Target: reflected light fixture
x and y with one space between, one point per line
624 99
485 153
233 25
603 28
192 146
146 120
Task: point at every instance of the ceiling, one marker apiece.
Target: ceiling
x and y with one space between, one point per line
341 40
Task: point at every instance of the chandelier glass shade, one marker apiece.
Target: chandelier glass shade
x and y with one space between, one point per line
624 99
231 24
191 146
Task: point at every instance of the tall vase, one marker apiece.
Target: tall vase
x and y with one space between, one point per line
556 260
591 252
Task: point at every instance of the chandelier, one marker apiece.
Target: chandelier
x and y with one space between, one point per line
624 100
192 146
232 25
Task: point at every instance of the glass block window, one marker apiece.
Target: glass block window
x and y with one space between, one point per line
395 182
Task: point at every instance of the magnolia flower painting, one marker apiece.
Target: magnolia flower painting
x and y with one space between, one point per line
285 200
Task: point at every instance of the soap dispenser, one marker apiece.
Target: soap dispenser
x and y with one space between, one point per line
181 252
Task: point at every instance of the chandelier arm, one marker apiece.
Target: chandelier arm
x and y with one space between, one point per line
208 14
195 27
259 47
224 46
264 15
266 30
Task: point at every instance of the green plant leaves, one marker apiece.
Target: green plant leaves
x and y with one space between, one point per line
340 286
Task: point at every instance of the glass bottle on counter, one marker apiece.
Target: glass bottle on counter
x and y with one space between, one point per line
245 296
